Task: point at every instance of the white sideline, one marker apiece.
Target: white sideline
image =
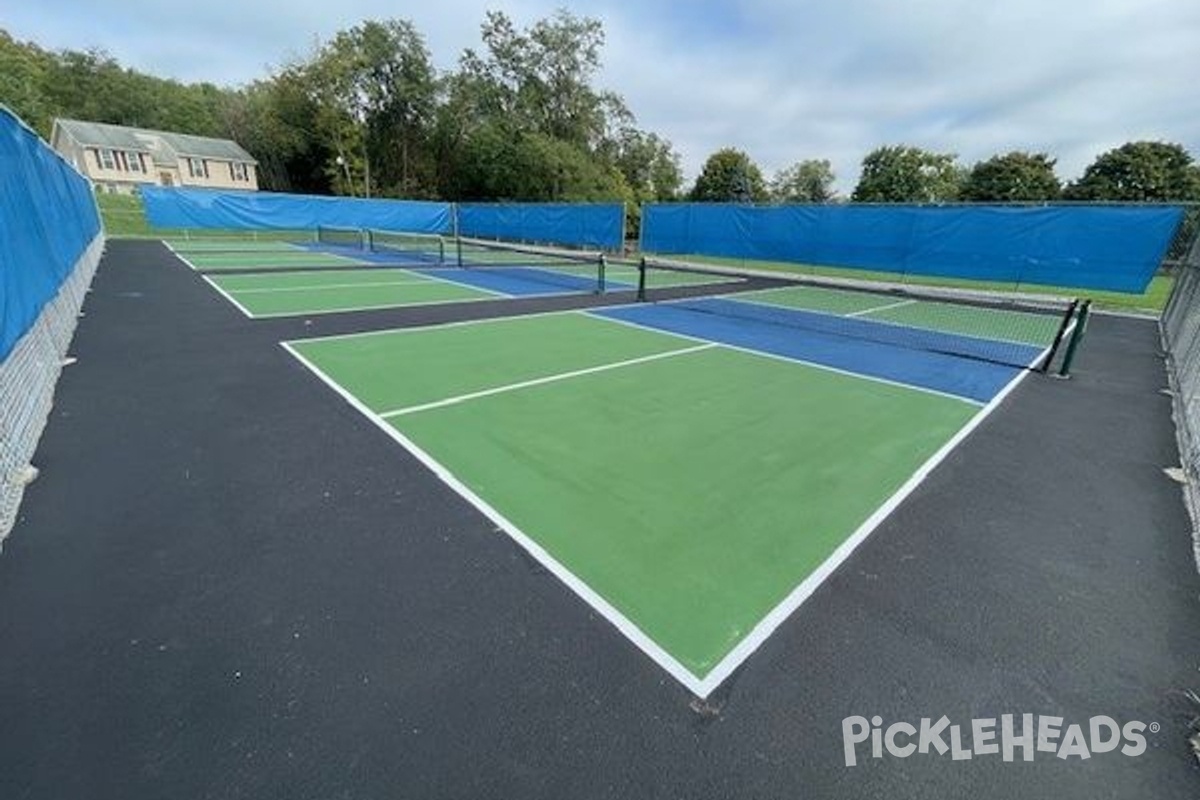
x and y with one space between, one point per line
701 687
601 606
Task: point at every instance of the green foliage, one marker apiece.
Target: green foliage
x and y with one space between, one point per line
1014 176
648 164
729 176
373 90
900 174
808 181
1139 172
366 111
23 71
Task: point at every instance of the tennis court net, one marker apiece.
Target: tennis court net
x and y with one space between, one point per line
1018 330
341 237
567 270
421 249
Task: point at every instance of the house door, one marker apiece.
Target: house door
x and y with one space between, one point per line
165 178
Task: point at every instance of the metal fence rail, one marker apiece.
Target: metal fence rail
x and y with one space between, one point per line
1180 327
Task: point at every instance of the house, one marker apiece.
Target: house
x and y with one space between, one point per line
119 159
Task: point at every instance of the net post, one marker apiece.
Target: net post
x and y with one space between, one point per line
441 252
458 251
1076 336
641 289
601 266
1063 325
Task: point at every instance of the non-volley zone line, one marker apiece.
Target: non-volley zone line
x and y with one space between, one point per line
288 294
562 376
613 454
280 261
311 286
836 342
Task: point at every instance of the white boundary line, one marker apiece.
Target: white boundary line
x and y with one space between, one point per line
596 312
292 248
392 331
317 312
889 323
401 306
298 265
701 687
209 279
776 617
562 376
426 270
225 294
543 557
316 287
865 311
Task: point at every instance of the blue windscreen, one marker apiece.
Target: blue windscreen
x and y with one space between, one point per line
48 218
206 208
598 225
1116 248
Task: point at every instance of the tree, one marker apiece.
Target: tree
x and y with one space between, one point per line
272 119
522 118
901 174
729 176
1012 177
374 87
808 181
648 164
1140 172
540 79
23 69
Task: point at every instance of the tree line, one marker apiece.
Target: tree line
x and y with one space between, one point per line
519 118
1143 171
367 113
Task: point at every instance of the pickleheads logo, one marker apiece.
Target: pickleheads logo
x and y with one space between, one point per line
1036 734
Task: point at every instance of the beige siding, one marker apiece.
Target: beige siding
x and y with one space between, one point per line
92 166
219 172
220 175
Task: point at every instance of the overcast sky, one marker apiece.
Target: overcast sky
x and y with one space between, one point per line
783 80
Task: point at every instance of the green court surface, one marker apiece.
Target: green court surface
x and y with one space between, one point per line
281 294
269 259
1001 324
625 276
682 488
233 246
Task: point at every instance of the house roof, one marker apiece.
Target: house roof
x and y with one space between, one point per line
164 147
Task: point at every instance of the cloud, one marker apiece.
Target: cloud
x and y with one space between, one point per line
781 79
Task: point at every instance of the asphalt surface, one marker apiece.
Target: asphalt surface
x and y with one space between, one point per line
228 584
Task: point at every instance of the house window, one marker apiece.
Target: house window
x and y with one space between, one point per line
106 159
135 162
197 168
237 171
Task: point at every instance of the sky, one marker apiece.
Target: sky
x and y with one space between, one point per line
783 80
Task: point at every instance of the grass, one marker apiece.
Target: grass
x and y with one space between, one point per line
1152 301
123 215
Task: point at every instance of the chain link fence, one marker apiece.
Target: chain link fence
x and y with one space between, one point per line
1180 326
27 379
